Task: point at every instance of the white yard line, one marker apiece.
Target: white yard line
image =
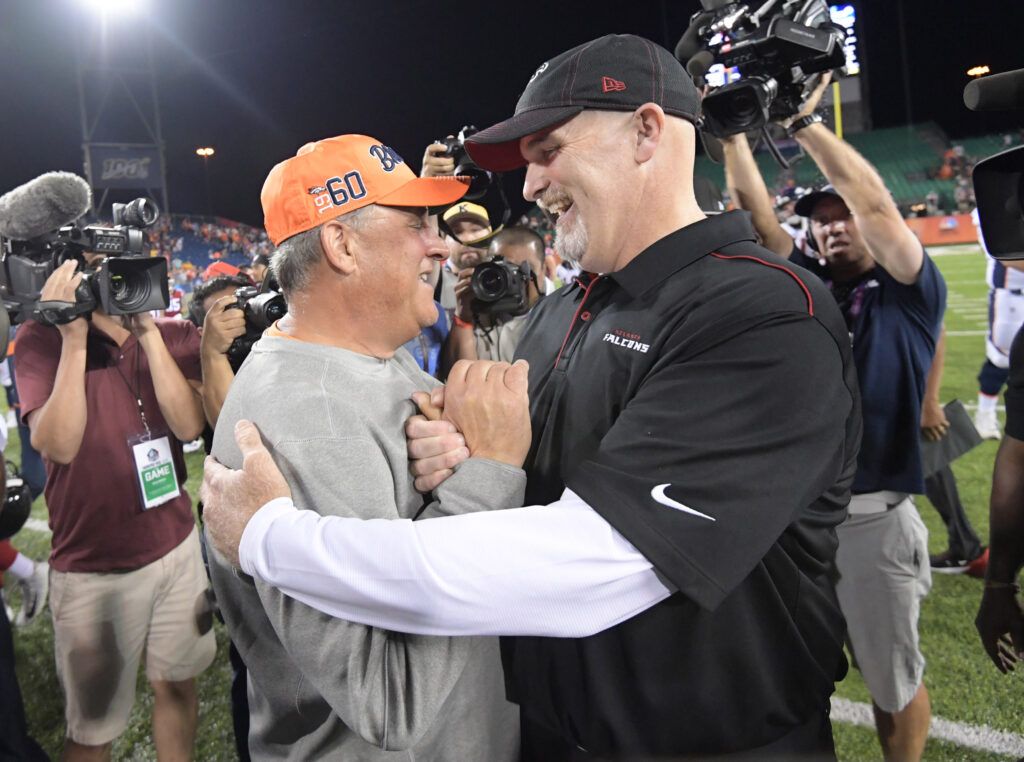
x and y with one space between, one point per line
38 525
968 736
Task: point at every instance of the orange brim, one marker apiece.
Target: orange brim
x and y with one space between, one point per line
427 191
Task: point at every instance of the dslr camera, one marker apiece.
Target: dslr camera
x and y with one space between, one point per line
776 49
261 310
501 287
125 283
480 179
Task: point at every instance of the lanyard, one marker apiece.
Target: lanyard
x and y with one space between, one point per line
137 392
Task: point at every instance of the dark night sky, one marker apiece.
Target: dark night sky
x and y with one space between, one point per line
256 78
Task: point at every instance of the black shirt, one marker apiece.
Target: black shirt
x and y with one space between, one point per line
714 367
1014 395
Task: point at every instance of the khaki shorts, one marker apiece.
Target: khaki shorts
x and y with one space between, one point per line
104 623
883 575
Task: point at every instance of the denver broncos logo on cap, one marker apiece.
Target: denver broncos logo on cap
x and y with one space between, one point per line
316 189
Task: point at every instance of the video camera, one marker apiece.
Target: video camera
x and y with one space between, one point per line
126 282
777 49
501 287
261 309
999 180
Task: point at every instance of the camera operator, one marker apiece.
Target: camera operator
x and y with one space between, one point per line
495 336
893 298
108 402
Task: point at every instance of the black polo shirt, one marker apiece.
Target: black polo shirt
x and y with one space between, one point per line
1014 395
703 400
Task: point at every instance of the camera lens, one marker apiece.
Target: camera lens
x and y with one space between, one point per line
140 213
490 282
129 291
744 107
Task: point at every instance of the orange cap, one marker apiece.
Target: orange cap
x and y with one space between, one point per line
330 177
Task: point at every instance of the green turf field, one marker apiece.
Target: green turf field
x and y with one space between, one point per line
965 687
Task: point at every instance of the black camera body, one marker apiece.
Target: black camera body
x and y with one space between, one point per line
479 179
776 59
261 310
999 180
126 282
501 287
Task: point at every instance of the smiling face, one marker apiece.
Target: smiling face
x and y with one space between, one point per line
397 250
581 170
839 241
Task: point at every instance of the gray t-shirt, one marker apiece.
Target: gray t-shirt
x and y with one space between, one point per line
325 688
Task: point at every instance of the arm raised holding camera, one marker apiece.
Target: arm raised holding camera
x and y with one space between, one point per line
889 241
59 425
437 162
221 326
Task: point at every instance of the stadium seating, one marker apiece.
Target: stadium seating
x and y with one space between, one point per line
907 160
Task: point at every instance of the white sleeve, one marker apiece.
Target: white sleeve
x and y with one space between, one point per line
557 570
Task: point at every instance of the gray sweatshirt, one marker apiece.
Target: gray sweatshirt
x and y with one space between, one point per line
325 688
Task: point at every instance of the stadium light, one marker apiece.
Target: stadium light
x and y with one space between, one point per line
204 152
108 8
978 71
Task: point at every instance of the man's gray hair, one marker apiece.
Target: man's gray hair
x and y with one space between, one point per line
295 259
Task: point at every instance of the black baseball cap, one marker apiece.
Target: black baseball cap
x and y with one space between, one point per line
806 203
618 72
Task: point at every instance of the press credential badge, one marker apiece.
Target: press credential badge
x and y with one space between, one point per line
155 467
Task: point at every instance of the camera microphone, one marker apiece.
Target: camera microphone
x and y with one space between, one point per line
698 66
996 92
43 205
691 43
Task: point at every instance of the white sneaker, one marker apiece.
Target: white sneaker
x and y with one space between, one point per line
987 424
33 594
193 446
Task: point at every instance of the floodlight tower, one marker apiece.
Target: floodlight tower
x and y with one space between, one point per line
122 141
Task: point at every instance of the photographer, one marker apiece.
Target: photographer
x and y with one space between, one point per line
489 335
465 229
219 324
893 298
108 402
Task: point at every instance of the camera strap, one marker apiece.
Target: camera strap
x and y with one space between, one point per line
56 312
157 477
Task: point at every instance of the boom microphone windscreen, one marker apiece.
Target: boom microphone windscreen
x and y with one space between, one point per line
996 92
690 43
698 66
43 205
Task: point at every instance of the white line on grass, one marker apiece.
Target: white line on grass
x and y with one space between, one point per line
38 525
953 249
969 736
966 333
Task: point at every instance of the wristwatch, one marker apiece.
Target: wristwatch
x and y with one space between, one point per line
802 122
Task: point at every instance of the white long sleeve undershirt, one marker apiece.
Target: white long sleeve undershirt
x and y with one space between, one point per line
557 570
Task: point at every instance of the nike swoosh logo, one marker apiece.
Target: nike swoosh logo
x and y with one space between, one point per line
658 493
